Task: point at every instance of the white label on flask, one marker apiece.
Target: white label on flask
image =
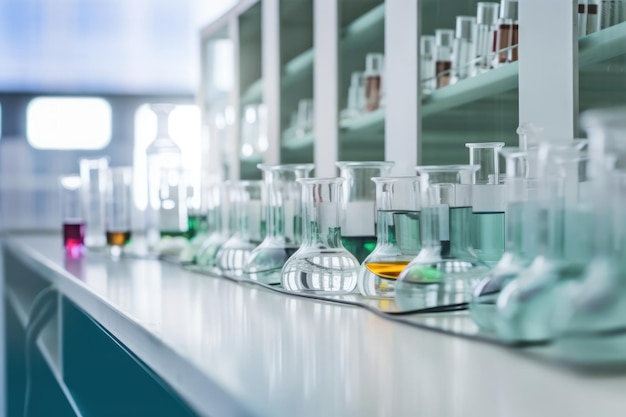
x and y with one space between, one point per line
444 222
359 219
488 198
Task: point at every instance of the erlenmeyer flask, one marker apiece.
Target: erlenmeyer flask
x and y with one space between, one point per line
283 222
247 218
521 237
488 202
322 264
446 269
218 227
358 225
526 304
398 233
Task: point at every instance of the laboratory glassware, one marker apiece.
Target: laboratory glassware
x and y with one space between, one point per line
507 35
304 117
358 227
72 216
218 225
398 234
247 225
373 77
446 269
464 48
322 264
356 96
166 213
486 27
94 174
593 16
118 208
521 235
428 52
283 216
488 201
526 303
443 65
605 129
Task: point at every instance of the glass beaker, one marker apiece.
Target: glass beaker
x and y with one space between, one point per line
322 264
488 202
525 306
521 236
72 217
118 208
247 217
446 269
398 233
358 231
605 129
164 164
93 173
283 222
218 225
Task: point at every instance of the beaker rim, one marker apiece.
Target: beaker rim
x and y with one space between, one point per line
373 164
325 180
406 178
243 183
446 168
285 167
485 145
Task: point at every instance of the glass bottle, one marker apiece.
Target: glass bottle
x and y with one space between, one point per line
358 226
218 225
582 18
486 27
283 222
521 239
398 233
428 52
464 48
443 64
356 96
247 220
446 269
593 16
374 68
322 264
507 36
166 214
488 202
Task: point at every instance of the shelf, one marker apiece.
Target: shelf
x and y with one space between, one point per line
364 23
602 45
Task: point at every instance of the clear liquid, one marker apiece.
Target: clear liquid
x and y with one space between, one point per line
330 271
359 246
266 263
488 236
232 257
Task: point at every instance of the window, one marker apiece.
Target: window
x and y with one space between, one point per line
68 123
184 129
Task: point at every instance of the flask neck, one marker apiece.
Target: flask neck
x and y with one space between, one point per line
322 214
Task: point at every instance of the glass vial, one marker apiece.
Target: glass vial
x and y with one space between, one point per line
119 203
486 29
464 50
93 173
322 264
356 96
166 213
373 76
428 52
283 216
593 16
358 225
507 36
444 39
398 234
72 215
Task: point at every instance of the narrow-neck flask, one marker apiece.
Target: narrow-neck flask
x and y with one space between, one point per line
283 222
358 225
218 225
446 268
398 235
166 214
488 202
247 220
322 264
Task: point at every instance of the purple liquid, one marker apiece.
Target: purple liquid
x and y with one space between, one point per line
74 238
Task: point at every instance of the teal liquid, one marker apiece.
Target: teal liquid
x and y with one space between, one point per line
406 230
488 235
359 246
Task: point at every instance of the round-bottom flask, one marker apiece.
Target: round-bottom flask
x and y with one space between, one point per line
283 220
446 269
322 264
245 203
398 235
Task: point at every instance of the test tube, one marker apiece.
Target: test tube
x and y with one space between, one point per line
464 47
443 65
374 64
72 216
486 27
118 209
93 174
427 63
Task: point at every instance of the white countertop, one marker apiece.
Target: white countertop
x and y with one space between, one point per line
237 349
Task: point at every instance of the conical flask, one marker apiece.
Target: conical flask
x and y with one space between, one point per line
322 264
247 220
283 222
218 225
446 269
358 226
398 235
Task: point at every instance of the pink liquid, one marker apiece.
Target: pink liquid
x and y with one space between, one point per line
74 238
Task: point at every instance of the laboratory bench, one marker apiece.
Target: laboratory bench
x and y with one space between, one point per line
145 337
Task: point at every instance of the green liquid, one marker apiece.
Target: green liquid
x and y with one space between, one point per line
194 223
359 246
488 236
405 228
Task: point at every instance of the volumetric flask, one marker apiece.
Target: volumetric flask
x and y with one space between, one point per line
521 236
93 173
119 200
246 207
218 225
358 228
488 202
446 269
72 217
398 234
322 264
283 214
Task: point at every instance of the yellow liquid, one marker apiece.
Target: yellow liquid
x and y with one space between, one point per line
389 270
